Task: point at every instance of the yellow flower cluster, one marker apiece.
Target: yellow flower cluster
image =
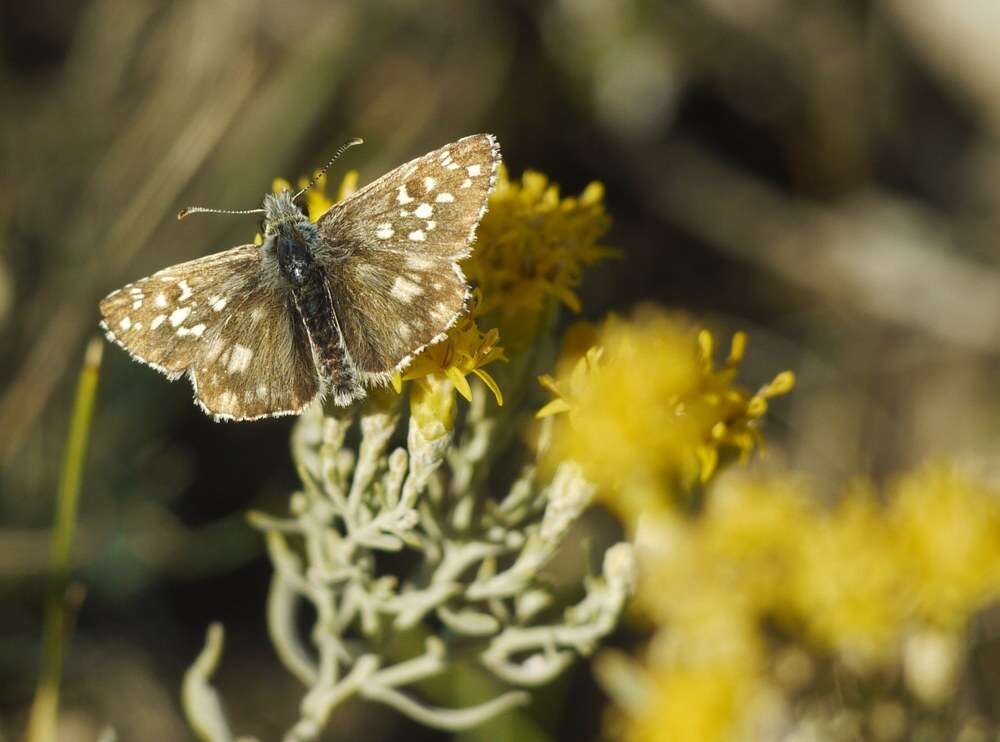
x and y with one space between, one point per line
864 582
533 245
647 411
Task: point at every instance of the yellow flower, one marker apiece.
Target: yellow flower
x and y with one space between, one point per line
532 247
947 537
884 582
847 583
647 409
752 530
691 703
441 369
465 351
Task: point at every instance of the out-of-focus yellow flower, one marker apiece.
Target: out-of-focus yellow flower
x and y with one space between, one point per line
647 408
752 533
881 583
691 703
946 529
847 583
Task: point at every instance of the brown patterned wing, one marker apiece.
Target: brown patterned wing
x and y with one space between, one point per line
225 321
429 206
390 252
390 306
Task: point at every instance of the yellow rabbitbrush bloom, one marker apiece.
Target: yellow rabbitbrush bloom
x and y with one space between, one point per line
531 249
946 528
533 245
441 369
692 704
846 581
865 584
646 409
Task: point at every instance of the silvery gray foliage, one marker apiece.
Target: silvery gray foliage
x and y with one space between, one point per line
478 574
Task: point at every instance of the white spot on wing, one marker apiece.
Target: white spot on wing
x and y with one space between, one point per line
239 359
473 170
431 225
417 235
404 289
157 321
404 197
161 300
466 183
420 263
179 315
444 198
197 330
126 322
219 304
403 330
424 211
384 231
430 183
185 291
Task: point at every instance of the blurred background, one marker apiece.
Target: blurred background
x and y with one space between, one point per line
825 175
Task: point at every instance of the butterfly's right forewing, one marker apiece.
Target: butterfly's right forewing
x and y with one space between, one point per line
227 324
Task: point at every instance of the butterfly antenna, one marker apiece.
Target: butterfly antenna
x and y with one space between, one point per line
202 210
343 148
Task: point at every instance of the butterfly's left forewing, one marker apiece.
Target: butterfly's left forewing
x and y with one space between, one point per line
223 321
430 206
391 250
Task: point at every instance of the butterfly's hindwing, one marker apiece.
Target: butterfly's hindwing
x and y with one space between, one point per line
392 306
222 320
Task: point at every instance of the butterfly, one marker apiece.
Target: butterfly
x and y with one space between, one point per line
320 309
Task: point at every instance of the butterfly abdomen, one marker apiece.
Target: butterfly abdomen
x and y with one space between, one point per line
315 305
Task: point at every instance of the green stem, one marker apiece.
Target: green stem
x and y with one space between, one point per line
44 709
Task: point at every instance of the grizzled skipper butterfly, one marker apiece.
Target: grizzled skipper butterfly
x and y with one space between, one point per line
319 309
